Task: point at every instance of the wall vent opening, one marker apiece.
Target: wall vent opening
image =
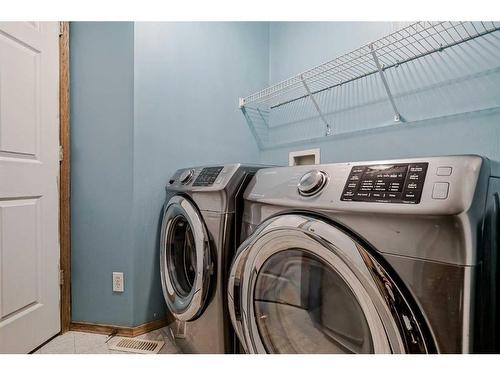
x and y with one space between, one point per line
304 157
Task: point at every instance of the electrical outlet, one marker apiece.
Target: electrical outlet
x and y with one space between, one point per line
118 282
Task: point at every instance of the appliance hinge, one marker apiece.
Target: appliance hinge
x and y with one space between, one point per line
61 153
61 277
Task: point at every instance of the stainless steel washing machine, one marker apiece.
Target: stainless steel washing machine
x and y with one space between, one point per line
198 240
393 256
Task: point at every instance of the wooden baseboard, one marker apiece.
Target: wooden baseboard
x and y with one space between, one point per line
108 329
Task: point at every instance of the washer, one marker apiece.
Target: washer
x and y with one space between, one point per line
198 240
392 256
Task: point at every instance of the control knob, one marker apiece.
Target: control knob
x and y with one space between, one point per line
312 183
186 176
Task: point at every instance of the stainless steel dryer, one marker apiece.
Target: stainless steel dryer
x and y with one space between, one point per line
393 256
198 240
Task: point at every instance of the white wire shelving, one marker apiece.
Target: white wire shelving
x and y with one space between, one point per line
412 42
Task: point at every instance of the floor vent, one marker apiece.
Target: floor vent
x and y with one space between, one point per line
136 345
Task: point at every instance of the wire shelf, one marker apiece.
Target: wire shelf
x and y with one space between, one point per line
276 105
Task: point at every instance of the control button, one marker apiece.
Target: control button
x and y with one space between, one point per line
415 176
440 190
443 171
186 176
418 168
362 195
347 195
312 183
393 196
410 196
219 180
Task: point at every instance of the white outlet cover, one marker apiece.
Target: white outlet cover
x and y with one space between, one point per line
118 283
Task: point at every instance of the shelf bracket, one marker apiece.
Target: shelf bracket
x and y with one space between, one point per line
328 130
397 115
263 118
252 129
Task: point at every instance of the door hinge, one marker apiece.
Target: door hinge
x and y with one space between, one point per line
61 28
61 153
61 277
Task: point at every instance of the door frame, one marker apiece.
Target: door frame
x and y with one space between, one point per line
64 178
65 209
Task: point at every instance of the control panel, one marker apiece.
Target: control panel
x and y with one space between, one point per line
207 176
386 183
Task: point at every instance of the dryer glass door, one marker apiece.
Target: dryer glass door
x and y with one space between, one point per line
185 259
303 306
301 285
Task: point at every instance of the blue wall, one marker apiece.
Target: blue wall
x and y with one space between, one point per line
297 46
188 77
450 100
148 99
102 102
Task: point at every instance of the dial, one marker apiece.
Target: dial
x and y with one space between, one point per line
312 183
186 176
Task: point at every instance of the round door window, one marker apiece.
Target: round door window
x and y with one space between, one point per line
300 285
185 260
302 305
181 256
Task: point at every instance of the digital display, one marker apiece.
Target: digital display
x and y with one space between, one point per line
387 183
207 176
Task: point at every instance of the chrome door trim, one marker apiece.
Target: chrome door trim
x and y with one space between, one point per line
186 308
393 325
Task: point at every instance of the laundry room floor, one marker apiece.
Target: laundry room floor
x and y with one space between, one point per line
91 343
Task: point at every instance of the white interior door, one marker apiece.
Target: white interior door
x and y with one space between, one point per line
29 170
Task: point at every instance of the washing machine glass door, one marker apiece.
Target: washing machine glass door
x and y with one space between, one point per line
301 285
185 260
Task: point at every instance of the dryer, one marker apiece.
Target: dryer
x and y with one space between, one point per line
392 256
203 208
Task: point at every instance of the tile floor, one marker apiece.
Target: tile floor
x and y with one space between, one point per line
92 343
